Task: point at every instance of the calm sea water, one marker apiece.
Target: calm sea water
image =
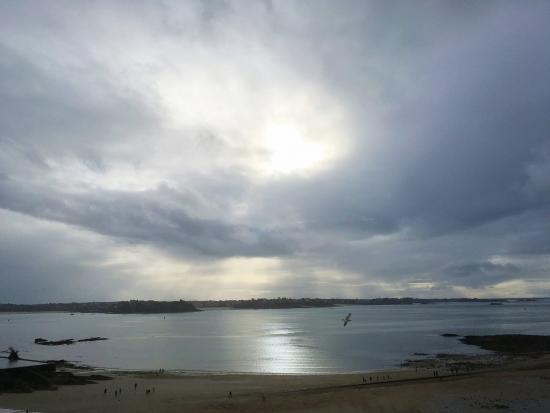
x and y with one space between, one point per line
270 341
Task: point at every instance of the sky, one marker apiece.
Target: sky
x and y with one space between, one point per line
238 149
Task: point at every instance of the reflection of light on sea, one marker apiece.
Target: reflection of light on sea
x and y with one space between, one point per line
280 355
280 352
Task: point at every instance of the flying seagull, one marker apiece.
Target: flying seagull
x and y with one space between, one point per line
347 319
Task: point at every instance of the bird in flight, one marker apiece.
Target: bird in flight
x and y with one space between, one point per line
347 319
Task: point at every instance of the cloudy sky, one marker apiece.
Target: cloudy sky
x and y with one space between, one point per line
213 149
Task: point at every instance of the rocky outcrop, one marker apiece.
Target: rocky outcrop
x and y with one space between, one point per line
68 341
510 343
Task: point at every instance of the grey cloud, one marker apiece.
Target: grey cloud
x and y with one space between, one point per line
485 274
447 107
156 217
45 264
56 113
457 141
482 269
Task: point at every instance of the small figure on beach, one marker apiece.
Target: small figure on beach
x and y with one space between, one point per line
14 354
105 390
230 395
364 379
148 391
347 319
120 390
116 393
135 386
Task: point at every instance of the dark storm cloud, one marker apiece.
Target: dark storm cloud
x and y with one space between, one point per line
156 217
446 177
483 272
45 111
457 141
42 263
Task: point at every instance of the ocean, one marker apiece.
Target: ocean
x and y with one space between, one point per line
290 341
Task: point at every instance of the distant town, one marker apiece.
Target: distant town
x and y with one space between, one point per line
181 306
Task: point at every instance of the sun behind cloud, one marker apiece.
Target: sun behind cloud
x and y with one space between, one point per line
290 150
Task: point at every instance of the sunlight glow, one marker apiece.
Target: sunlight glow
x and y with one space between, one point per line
290 150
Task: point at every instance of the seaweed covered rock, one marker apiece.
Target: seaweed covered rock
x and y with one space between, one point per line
511 343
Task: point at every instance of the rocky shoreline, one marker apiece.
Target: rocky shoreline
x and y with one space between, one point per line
43 342
510 343
505 349
46 376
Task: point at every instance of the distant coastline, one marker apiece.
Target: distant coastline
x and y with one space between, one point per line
283 302
116 307
181 306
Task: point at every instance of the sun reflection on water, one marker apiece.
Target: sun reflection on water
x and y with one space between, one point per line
282 351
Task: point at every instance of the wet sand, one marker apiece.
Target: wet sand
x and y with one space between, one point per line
521 385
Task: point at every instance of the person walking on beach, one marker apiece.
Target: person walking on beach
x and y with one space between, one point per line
230 395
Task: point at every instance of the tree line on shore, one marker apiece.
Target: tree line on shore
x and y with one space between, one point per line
181 306
284 302
116 307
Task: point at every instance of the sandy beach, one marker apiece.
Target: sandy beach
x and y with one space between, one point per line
518 385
